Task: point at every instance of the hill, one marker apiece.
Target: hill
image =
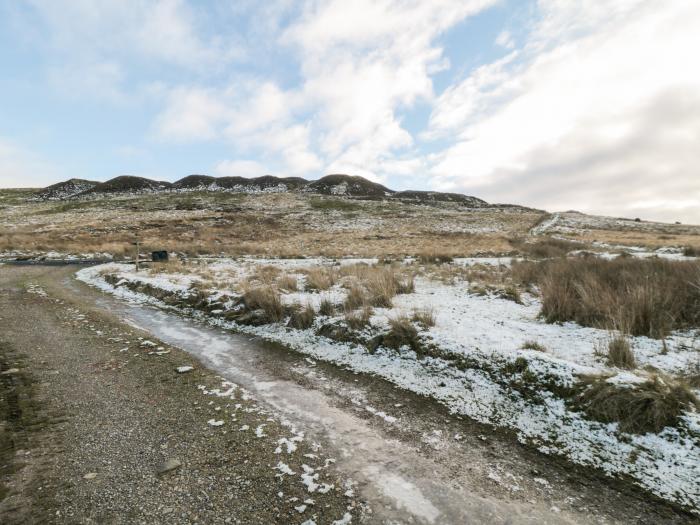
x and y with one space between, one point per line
127 184
338 185
66 189
347 185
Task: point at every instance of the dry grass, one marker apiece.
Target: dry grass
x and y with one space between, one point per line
691 251
326 307
638 296
533 345
401 333
379 284
320 278
620 353
267 274
355 298
287 282
267 299
649 407
545 248
302 318
434 258
425 317
358 319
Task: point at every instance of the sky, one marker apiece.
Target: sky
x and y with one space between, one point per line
557 104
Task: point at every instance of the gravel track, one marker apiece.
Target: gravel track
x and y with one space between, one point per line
103 410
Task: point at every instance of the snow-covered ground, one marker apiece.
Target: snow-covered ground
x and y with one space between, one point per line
489 332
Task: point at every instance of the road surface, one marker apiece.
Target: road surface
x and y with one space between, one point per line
100 427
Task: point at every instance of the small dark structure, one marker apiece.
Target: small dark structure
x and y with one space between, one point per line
159 256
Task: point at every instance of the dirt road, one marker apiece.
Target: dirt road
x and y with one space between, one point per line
100 427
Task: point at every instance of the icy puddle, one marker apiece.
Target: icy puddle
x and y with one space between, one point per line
399 483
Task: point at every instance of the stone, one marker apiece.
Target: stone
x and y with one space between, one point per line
168 466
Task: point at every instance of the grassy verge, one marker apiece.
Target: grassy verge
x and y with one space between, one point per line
649 297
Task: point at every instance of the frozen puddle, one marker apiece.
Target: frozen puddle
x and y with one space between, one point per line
399 483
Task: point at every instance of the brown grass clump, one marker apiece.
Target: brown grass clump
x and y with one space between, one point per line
533 345
546 248
287 282
381 286
425 317
326 308
649 407
620 354
358 320
434 258
638 296
355 298
320 278
401 333
302 318
266 274
691 251
267 299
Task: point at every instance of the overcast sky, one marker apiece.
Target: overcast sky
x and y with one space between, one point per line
587 105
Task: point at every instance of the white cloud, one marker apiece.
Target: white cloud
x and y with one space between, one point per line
20 168
160 30
193 114
361 63
239 168
505 40
585 108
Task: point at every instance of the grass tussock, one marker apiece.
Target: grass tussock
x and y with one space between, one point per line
264 298
359 319
620 353
434 258
648 297
691 251
287 283
302 318
326 307
266 274
545 248
649 407
533 345
401 333
381 286
424 317
320 278
355 298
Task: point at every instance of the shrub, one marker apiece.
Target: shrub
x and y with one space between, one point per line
326 308
638 296
620 353
302 318
287 282
425 317
649 407
533 345
264 298
359 319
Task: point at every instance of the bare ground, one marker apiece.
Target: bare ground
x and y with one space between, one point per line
95 423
